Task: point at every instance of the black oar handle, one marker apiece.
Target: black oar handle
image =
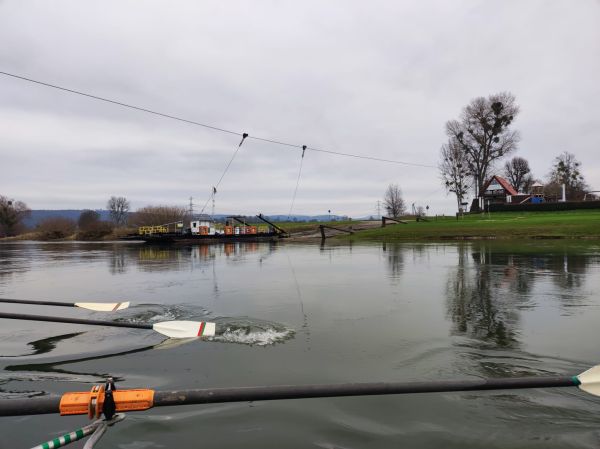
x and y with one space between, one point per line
54 319
39 303
37 406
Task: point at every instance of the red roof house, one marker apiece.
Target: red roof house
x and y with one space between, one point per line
497 189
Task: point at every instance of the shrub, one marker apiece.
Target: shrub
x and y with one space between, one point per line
157 215
95 231
56 228
88 219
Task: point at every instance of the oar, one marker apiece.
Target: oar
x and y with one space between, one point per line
136 400
173 329
97 306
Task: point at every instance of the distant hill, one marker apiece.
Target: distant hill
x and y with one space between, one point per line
305 217
278 218
39 215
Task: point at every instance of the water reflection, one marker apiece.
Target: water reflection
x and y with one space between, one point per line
174 258
17 259
48 344
394 256
480 294
569 270
52 367
12 264
492 283
562 274
117 262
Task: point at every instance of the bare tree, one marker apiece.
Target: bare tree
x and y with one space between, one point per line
393 202
118 207
517 171
528 182
157 215
566 170
454 170
484 134
12 214
552 190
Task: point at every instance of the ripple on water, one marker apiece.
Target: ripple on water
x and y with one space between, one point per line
248 331
152 313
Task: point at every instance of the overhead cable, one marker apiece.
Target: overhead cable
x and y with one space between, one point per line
214 189
297 182
214 128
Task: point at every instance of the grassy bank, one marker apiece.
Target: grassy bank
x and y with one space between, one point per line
499 225
302 226
116 234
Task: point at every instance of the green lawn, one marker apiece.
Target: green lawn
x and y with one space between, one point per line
301 226
563 224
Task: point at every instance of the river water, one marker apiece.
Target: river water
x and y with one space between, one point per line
302 314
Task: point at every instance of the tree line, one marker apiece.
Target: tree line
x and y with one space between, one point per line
478 140
482 136
89 225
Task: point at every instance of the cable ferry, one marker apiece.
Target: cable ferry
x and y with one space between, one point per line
204 229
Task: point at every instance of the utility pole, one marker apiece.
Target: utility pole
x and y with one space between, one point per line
191 211
378 209
214 191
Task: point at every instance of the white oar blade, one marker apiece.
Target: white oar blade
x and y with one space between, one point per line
590 380
103 306
185 329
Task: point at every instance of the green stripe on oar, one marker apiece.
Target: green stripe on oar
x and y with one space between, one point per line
589 381
68 438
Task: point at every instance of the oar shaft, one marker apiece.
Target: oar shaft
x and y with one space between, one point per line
38 406
54 319
243 394
30 406
39 303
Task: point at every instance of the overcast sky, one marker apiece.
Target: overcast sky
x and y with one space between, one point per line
376 78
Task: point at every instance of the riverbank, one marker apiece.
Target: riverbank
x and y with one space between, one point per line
116 234
580 224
